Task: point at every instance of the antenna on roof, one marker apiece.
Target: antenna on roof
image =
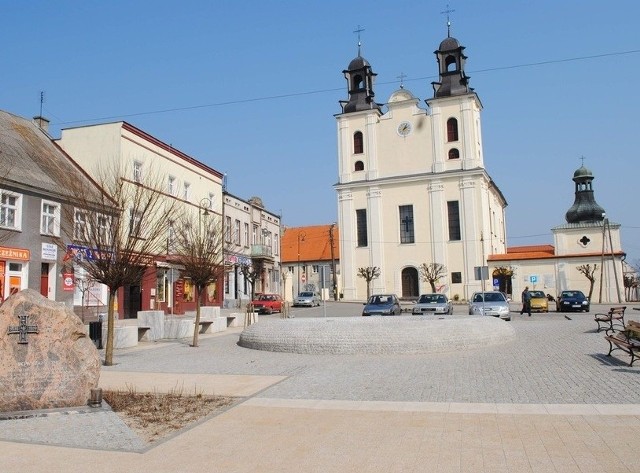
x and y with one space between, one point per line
41 100
359 30
447 11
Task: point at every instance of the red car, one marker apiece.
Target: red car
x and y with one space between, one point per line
267 303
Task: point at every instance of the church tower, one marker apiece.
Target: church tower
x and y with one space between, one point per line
412 188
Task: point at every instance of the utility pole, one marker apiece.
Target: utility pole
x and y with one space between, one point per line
333 264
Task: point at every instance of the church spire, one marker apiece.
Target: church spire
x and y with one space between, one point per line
451 59
585 209
360 78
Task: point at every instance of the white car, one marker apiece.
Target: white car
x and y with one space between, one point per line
307 299
433 304
492 303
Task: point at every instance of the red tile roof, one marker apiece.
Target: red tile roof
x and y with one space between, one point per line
313 244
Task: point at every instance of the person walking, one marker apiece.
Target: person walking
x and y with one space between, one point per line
526 301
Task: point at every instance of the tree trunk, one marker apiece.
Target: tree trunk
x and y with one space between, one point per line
108 352
196 327
433 286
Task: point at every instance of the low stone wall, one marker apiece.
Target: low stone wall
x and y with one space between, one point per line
376 335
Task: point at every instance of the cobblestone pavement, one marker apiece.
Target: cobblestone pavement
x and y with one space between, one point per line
554 359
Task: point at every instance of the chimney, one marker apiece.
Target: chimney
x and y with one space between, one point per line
42 123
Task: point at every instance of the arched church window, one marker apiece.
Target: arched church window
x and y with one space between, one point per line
452 129
358 145
454 153
359 166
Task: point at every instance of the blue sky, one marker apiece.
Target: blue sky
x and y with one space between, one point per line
251 88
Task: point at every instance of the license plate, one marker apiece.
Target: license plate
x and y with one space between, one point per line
575 306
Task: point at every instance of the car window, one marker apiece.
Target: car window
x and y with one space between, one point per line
537 294
442 299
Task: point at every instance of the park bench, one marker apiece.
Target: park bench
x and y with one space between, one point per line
615 316
142 331
627 340
204 325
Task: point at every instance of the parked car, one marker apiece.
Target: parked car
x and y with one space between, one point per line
433 304
490 303
382 304
267 303
307 298
569 301
539 301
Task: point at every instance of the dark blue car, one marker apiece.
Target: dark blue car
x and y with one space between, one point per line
572 301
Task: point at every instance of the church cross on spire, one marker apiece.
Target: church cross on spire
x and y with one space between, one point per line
402 77
447 11
359 30
582 158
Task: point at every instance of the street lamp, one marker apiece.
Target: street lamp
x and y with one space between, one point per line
205 204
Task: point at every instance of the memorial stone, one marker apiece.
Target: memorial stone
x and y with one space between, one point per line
47 359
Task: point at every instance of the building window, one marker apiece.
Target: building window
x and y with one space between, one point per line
137 171
361 227
406 224
172 186
135 223
276 245
315 268
456 277
10 205
236 235
254 236
290 269
246 235
453 211
81 226
50 218
227 230
359 166
358 145
454 153
452 129
186 191
211 197
102 227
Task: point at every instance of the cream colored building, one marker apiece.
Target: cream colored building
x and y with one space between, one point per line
254 236
138 157
412 185
587 238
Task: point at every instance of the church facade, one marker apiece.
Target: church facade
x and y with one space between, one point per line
412 187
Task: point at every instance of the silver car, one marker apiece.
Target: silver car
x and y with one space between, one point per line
307 298
493 303
433 304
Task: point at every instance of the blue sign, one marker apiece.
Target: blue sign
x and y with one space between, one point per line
496 282
533 279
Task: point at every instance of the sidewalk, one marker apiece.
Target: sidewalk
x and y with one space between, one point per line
549 402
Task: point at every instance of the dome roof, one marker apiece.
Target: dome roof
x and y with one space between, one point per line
358 63
582 172
448 44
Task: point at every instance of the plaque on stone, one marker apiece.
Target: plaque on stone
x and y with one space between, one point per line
47 359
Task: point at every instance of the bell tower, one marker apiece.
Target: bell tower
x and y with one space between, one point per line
585 209
360 79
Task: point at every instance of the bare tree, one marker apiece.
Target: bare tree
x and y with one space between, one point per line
113 234
369 274
589 273
432 272
252 273
200 249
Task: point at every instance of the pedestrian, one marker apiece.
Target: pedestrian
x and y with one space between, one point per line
526 301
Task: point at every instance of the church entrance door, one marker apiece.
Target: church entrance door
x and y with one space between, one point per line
410 283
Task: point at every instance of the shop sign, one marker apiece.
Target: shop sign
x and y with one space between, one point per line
68 282
49 251
18 254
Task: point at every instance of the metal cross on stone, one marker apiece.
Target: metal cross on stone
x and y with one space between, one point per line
22 329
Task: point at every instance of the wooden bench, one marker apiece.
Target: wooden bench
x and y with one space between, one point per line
627 340
615 316
204 325
142 331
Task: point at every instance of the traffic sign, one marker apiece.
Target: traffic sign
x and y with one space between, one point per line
533 279
303 278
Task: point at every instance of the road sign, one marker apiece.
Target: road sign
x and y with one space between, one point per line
533 279
303 278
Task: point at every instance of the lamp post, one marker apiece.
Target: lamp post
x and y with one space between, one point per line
301 236
265 234
205 205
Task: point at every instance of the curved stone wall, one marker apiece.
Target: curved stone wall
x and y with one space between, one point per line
375 335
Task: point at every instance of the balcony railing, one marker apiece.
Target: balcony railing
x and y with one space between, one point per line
261 251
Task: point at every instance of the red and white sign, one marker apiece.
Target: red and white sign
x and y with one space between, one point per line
303 278
68 282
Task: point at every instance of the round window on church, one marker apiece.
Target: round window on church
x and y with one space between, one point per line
584 241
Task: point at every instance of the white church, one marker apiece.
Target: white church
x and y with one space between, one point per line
413 189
